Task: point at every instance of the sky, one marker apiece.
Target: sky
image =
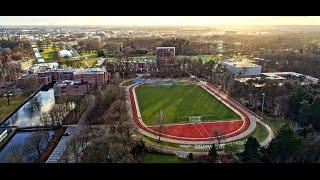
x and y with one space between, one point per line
159 20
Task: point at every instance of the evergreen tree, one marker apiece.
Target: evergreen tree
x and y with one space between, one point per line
213 152
252 150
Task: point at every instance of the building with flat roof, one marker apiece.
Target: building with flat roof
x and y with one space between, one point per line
25 79
281 78
93 76
165 56
65 53
242 68
69 87
25 64
305 79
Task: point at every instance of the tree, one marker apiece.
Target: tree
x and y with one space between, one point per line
48 42
36 143
252 150
217 133
75 148
138 149
31 86
100 53
40 44
231 148
56 56
15 155
286 146
213 152
54 47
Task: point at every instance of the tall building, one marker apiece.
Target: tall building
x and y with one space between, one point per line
165 56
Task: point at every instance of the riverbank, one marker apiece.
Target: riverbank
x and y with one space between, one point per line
52 144
19 106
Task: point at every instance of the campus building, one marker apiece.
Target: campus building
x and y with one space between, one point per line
93 76
165 56
68 87
25 79
242 68
25 64
281 78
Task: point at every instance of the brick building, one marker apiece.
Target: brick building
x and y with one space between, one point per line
165 56
68 87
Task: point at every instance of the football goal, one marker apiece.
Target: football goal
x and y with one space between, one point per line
195 119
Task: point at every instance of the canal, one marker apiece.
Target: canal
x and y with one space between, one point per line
20 147
29 114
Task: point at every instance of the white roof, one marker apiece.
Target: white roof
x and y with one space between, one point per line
40 60
241 64
65 53
38 55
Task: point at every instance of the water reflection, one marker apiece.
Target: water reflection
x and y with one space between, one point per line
29 114
15 150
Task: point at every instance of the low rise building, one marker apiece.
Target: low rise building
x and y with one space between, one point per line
25 64
280 78
242 68
68 87
26 79
93 76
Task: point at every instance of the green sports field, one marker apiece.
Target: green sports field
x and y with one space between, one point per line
162 158
179 102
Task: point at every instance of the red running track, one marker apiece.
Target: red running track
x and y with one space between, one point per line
194 132
202 130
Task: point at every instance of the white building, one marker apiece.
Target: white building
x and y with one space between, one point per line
242 68
65 53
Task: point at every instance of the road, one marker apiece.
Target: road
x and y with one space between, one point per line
61 147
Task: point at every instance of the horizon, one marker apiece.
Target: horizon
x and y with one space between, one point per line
158 20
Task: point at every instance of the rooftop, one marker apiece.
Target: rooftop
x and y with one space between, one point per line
90 71
165 48
241 64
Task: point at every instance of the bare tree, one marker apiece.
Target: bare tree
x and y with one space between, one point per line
15 155
36 143
217 133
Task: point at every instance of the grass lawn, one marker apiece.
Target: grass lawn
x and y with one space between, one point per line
165 144
78 64
179 102
260 133
206 58
88 55
14 103
48 53
275 123
144 58
162 158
